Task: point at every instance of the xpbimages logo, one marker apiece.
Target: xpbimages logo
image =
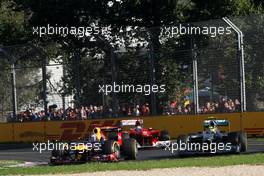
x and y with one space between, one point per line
212 147
212 31
80 146
64 31
129 88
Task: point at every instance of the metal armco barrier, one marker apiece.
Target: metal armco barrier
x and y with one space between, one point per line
250 122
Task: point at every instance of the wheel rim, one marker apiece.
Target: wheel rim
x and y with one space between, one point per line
136 150
239 147
116 149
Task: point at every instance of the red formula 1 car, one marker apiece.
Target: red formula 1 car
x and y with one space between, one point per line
106 143
146 137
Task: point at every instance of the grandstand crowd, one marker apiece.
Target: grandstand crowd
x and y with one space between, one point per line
83 113
222 106
95 112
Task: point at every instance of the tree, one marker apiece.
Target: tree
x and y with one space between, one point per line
147 15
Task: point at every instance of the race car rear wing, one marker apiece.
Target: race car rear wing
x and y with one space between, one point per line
130 122
110 128
219 122
225 124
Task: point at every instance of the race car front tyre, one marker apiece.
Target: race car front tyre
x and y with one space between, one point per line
239 140
164 135
130 149
233 138
243 140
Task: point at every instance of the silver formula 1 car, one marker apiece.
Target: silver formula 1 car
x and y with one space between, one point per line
212 140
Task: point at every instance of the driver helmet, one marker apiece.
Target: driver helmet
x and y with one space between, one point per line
212 123
137 123
212 126
138 126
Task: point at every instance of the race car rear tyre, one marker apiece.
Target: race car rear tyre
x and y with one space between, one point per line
112 136
125 135
57 153
133 136
130 149
238 139
164 135
234 138
182 139
110 147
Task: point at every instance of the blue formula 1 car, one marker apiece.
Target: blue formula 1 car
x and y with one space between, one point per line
106 143
212 140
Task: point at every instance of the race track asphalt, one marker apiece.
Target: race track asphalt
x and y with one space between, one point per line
27 154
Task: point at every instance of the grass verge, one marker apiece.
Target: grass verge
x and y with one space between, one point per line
261 139
214 161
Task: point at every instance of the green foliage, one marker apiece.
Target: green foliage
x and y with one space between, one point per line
19 16
12 23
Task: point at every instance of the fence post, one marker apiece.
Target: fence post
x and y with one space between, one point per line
195 76
152 75
12 61
63 93
44 83
14 92
241 63
114 76
77 78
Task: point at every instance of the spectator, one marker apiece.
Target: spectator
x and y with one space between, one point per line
72 115
137 111
93 111
237 105
123 111
129 112
145 109
173 105
179 110
83 113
